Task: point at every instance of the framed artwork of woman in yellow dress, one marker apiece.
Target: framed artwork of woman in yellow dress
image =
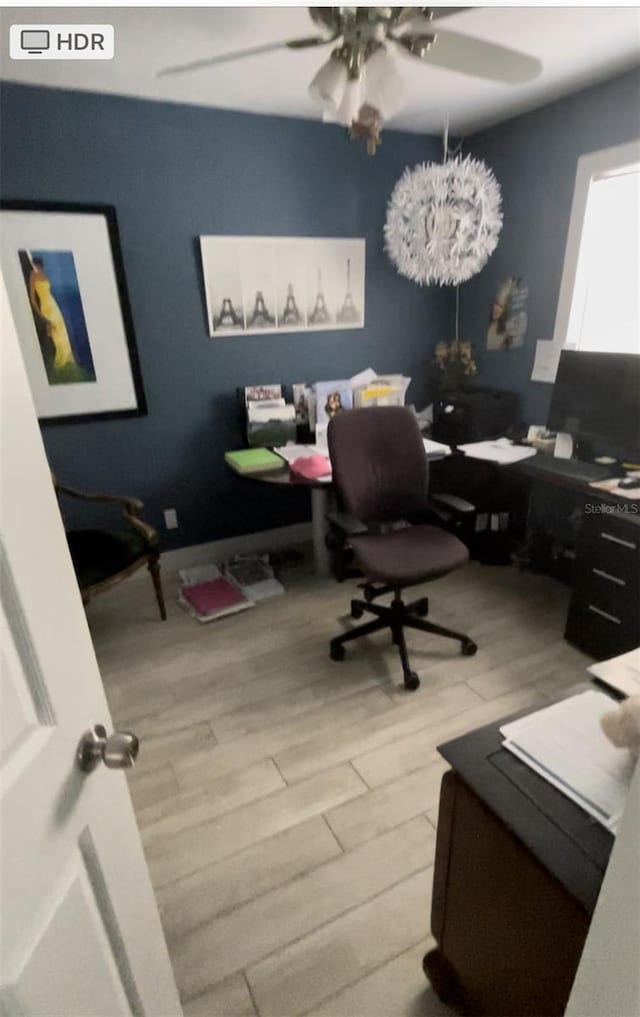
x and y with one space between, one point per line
56 303
64 274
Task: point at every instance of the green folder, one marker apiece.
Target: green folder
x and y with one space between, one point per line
253 460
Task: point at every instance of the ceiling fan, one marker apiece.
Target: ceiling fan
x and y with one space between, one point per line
359 86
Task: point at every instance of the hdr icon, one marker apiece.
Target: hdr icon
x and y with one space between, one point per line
61 42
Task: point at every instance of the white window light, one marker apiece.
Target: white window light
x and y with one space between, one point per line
598 306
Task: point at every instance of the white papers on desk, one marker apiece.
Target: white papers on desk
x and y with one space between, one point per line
621 673
363 378
291 452
500 451
435 449
565 744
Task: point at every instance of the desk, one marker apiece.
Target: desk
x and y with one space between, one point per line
517 874
604 613
321 503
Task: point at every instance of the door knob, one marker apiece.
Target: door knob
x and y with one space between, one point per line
117 751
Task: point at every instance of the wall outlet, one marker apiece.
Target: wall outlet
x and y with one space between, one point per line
171 519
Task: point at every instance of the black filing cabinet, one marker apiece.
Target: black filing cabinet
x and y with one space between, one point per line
604 614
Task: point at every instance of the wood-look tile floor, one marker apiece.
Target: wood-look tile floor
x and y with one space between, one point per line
288 804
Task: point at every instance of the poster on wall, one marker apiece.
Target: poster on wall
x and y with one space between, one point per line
282 284
65 279
508 317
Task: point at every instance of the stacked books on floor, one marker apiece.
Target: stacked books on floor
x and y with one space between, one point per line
209 592
254 576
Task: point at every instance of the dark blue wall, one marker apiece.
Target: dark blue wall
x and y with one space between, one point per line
174 172
535 159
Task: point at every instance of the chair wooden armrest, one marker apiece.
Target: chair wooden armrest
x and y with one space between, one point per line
104 557
130 509
129 504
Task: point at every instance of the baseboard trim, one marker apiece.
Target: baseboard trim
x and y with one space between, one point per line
222 550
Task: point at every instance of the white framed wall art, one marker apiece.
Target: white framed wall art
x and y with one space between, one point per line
282 284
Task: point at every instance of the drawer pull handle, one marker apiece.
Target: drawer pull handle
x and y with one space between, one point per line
607 575
618 540
603 614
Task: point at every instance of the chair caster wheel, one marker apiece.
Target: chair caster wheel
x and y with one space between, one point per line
469 648
356 610
369 593
336 651
411 681
421 608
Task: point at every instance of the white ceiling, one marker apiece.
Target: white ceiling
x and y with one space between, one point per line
577 46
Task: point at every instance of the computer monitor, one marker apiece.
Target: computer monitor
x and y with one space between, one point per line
596 398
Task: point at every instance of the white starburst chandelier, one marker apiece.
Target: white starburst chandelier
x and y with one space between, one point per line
443 221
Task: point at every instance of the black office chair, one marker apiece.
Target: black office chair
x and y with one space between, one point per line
381 473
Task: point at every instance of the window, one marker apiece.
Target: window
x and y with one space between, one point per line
599 305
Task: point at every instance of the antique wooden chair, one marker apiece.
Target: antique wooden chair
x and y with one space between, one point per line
103 557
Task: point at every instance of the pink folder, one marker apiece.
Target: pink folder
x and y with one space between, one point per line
311 467
215 595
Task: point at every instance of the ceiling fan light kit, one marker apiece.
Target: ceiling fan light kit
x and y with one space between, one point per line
361 73
443 221
329 84
378 85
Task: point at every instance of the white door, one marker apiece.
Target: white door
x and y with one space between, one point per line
80 933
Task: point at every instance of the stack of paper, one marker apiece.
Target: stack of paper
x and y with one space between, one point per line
208 595
565 744
620 673
255 578
435 449
291 452
253 460
387 391
500 451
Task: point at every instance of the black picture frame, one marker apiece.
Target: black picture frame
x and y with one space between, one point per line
108 212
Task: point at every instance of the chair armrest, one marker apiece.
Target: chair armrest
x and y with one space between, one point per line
130 509
149 532
453 502
129 504
347 524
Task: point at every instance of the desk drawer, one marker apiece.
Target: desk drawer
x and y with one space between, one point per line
611 563
611 542
611 593
603 631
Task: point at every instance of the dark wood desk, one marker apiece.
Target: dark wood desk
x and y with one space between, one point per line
604 545
517 874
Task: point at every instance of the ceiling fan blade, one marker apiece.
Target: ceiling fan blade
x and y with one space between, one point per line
444 12
421 17
224 58
311 40
480 59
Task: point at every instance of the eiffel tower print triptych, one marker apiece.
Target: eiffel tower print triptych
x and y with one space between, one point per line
258 285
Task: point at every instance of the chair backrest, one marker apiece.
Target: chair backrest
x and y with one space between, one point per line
379 464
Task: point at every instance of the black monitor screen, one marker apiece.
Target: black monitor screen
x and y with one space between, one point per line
597 395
